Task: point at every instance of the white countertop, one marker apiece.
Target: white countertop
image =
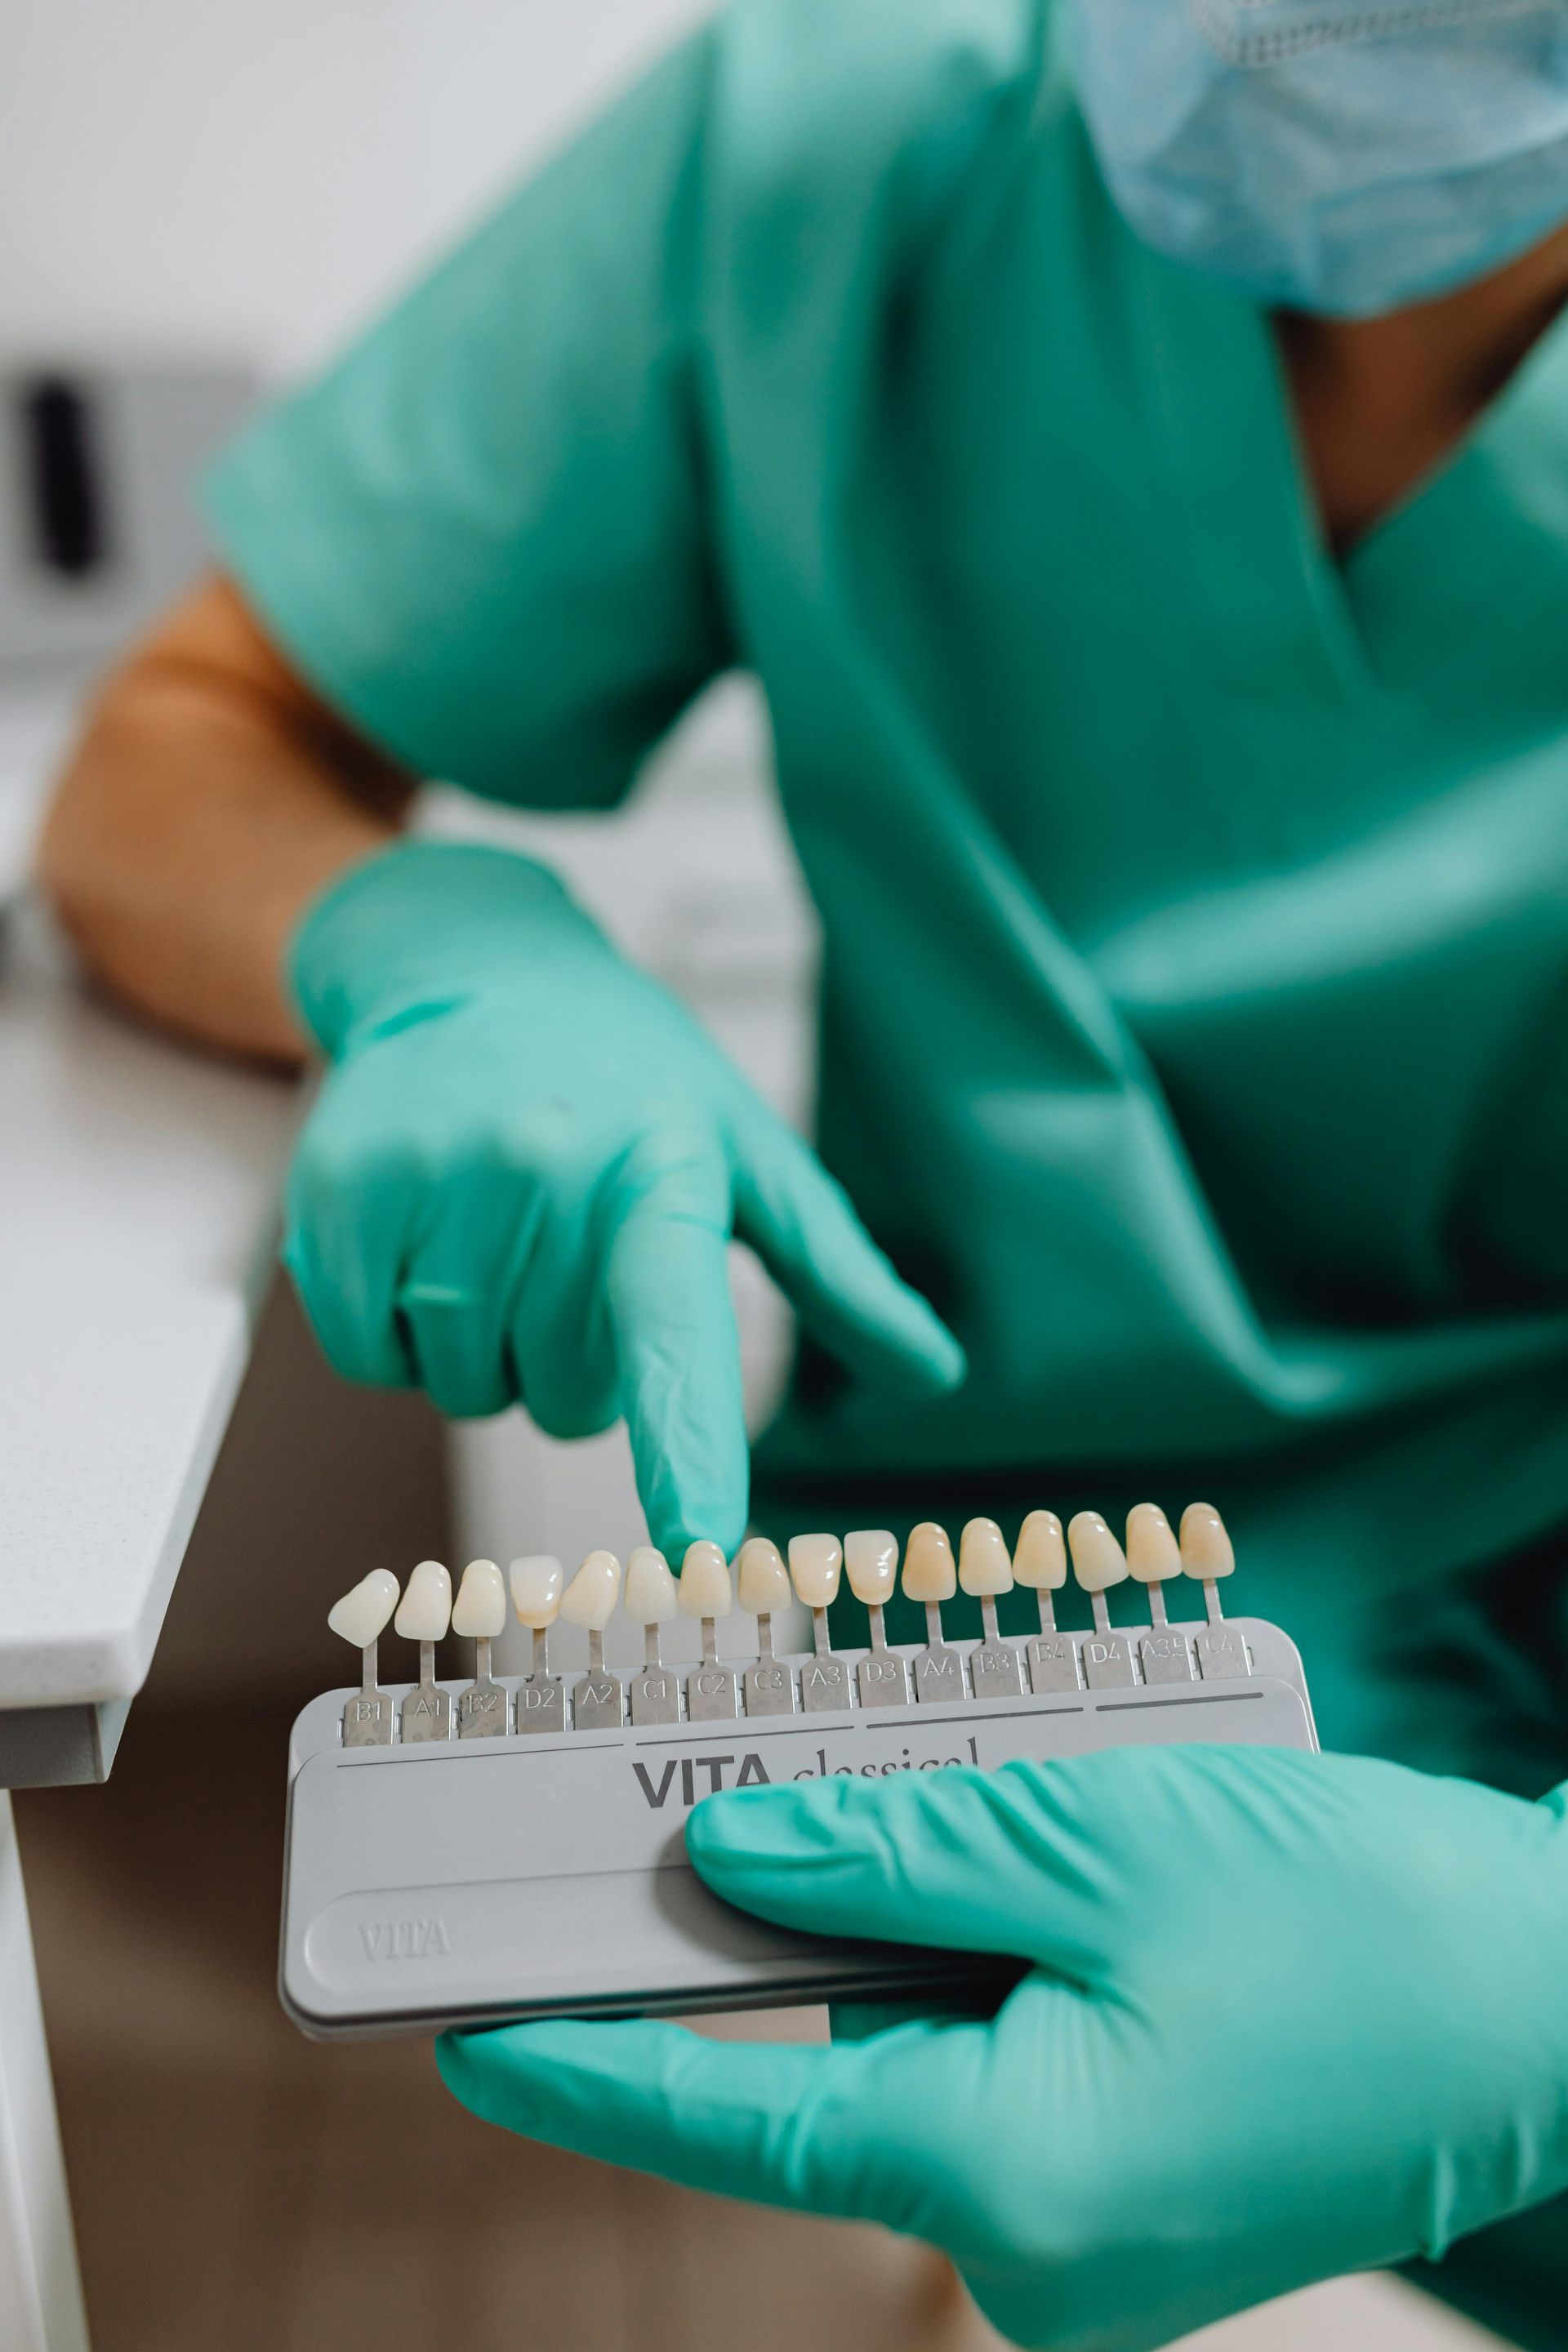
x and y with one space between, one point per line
137 1191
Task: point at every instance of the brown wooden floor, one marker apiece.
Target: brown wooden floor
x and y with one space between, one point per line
238 2186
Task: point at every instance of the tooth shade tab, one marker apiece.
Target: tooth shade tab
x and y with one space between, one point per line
764 1578
1153 1551
705 1589
930 1574
538 1580
1041 1560
1207 1550
478 1613
653 1597
983 1567
871 1564
590 1598
425 1611
813 1565
1097 1559
362 1614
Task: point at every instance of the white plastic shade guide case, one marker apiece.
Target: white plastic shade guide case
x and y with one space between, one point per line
540 1875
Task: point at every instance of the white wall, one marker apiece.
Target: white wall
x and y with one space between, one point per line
252 176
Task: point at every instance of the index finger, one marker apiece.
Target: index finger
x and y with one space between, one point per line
677 1355
845 2132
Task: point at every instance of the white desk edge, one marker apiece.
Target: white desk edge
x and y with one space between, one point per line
138 1182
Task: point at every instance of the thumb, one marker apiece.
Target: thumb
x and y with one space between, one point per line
801 1226
1013 1862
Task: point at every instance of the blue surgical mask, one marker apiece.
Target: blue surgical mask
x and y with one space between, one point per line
1342 156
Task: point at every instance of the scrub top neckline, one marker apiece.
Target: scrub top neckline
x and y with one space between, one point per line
1281 604
1490 422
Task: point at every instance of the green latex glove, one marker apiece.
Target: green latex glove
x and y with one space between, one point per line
1286 2016
523 1170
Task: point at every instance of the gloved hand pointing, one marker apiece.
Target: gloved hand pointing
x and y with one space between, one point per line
1285 2016
523 1170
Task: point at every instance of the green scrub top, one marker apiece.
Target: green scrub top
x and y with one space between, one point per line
1196 908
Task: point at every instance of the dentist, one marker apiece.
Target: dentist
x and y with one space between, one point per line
1129 440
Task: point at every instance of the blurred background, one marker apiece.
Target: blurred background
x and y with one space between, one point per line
202 199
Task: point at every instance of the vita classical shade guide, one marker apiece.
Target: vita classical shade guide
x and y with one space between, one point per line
534 1876
1049 1664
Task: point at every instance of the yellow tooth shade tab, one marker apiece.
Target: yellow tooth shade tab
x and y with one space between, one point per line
1040 1560
813 1565
537 1580
1153 1551
653 1597
930 1574
425 1611
478 1613
590 1598
763 1578
1097 1559
871 1564
983 1567
705 1587
1207 1549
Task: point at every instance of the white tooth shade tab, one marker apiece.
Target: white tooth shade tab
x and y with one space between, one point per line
425 1611
538 1580
1207 1550
1097 1559
705 1588
984 1566
478 1613
590 1598
653 1597
1153 1551
764 1578
363 1613
1040 1560
931 1572
871 1564
813 1565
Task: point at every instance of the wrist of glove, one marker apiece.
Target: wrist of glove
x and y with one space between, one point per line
419 927
523 1171
1284 2017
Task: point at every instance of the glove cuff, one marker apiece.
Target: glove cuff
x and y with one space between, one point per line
419 924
